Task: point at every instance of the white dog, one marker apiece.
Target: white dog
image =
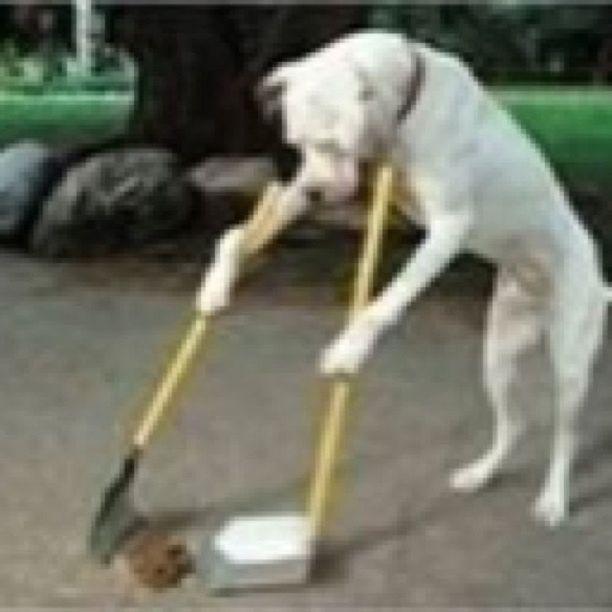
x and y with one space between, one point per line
480 185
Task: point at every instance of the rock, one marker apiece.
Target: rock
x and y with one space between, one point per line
244 176
229 186
26 171
113 200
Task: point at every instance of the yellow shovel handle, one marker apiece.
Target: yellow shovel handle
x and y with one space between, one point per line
370 254
171 379
340 390
186 352
262 226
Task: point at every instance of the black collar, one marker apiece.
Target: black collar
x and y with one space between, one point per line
414 87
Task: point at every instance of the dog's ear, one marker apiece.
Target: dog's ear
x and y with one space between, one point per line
270 89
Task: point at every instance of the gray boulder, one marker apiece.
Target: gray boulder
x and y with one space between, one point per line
239 176
229 186
113 200
26 169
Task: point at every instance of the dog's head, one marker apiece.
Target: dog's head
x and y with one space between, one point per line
325 109
339 107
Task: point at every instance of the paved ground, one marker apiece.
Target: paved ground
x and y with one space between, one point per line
80 340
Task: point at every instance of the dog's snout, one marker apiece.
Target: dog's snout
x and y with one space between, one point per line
314 194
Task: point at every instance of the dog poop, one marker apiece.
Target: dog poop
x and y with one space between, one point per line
156 560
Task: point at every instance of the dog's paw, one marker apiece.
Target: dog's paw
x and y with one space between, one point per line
550 508
348 352
216 290
470 478
215 293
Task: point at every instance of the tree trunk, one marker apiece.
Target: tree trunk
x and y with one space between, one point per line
198 66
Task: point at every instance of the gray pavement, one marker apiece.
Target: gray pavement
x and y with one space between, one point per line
80 341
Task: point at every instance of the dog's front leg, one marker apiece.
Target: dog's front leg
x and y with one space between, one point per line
444 240
280 207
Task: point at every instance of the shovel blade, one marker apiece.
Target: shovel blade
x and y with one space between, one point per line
116 519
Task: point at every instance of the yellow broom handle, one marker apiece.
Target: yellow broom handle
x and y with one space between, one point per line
377 218
169 383
264 222
334 424
187 350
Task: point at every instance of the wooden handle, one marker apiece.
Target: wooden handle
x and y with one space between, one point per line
170 382
184 356
340 389
375 229
264 222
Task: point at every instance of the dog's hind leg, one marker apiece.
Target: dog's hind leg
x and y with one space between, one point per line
575 334
514 325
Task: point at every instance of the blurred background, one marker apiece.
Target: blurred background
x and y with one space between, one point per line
181 77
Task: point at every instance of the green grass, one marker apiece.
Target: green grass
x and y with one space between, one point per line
573 125
62 118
